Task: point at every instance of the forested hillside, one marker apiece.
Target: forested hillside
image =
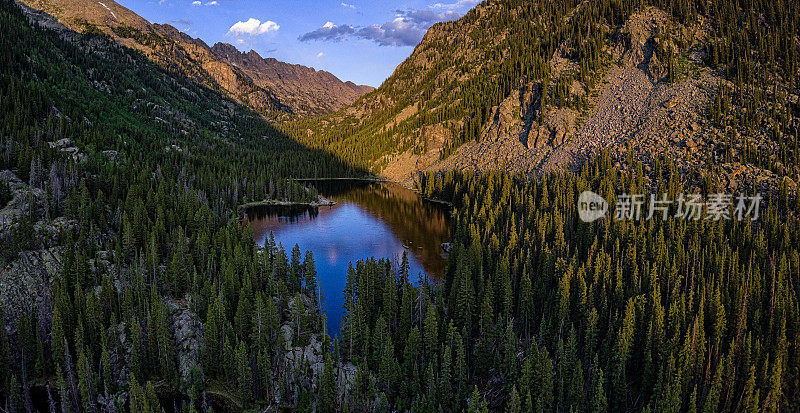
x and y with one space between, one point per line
119 185
535 86
128 282
673 315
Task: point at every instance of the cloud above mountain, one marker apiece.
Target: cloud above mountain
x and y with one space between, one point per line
182 23
456 5
329 32
406 29
253 27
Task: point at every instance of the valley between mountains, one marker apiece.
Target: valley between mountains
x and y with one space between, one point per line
197 228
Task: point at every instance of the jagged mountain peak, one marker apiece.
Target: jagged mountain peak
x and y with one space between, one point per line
305 86
273 88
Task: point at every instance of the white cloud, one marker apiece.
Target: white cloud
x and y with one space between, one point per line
212 3
197 3
457 5
320 54
329 25
253 27
349 6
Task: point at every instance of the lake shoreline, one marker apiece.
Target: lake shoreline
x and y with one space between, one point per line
320 202
377 179
448 204
365 179
372 220
323 202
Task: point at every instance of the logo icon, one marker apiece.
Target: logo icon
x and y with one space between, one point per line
591 206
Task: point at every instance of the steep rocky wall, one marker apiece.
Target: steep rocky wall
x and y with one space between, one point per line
633 107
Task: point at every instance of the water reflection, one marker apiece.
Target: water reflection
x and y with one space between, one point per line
369 220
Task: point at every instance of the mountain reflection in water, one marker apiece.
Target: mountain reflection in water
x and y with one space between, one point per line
370 219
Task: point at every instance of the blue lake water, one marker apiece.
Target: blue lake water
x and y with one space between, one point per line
370 219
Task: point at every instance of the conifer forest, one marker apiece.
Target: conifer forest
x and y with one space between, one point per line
131 282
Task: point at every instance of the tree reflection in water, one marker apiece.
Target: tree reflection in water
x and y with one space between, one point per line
370 219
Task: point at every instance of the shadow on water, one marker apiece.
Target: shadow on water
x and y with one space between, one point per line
370 219
421 225
287 213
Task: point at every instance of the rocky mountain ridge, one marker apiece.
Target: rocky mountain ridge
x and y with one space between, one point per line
276 89
640 88
304 88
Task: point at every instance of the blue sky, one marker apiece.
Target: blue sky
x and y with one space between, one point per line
358 40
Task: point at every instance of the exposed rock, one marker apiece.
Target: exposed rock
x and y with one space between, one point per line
187 330
119 349
310 355
10 178
25 282
346 375
49 231
287 332
23 198
61 143
65 145
112 156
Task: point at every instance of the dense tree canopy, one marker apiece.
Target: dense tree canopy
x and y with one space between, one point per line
537 310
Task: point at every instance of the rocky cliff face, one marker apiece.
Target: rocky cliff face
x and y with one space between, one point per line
634 113
273 88
25 277
632 107
635 104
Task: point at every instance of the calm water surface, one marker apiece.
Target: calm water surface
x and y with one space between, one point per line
369 220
